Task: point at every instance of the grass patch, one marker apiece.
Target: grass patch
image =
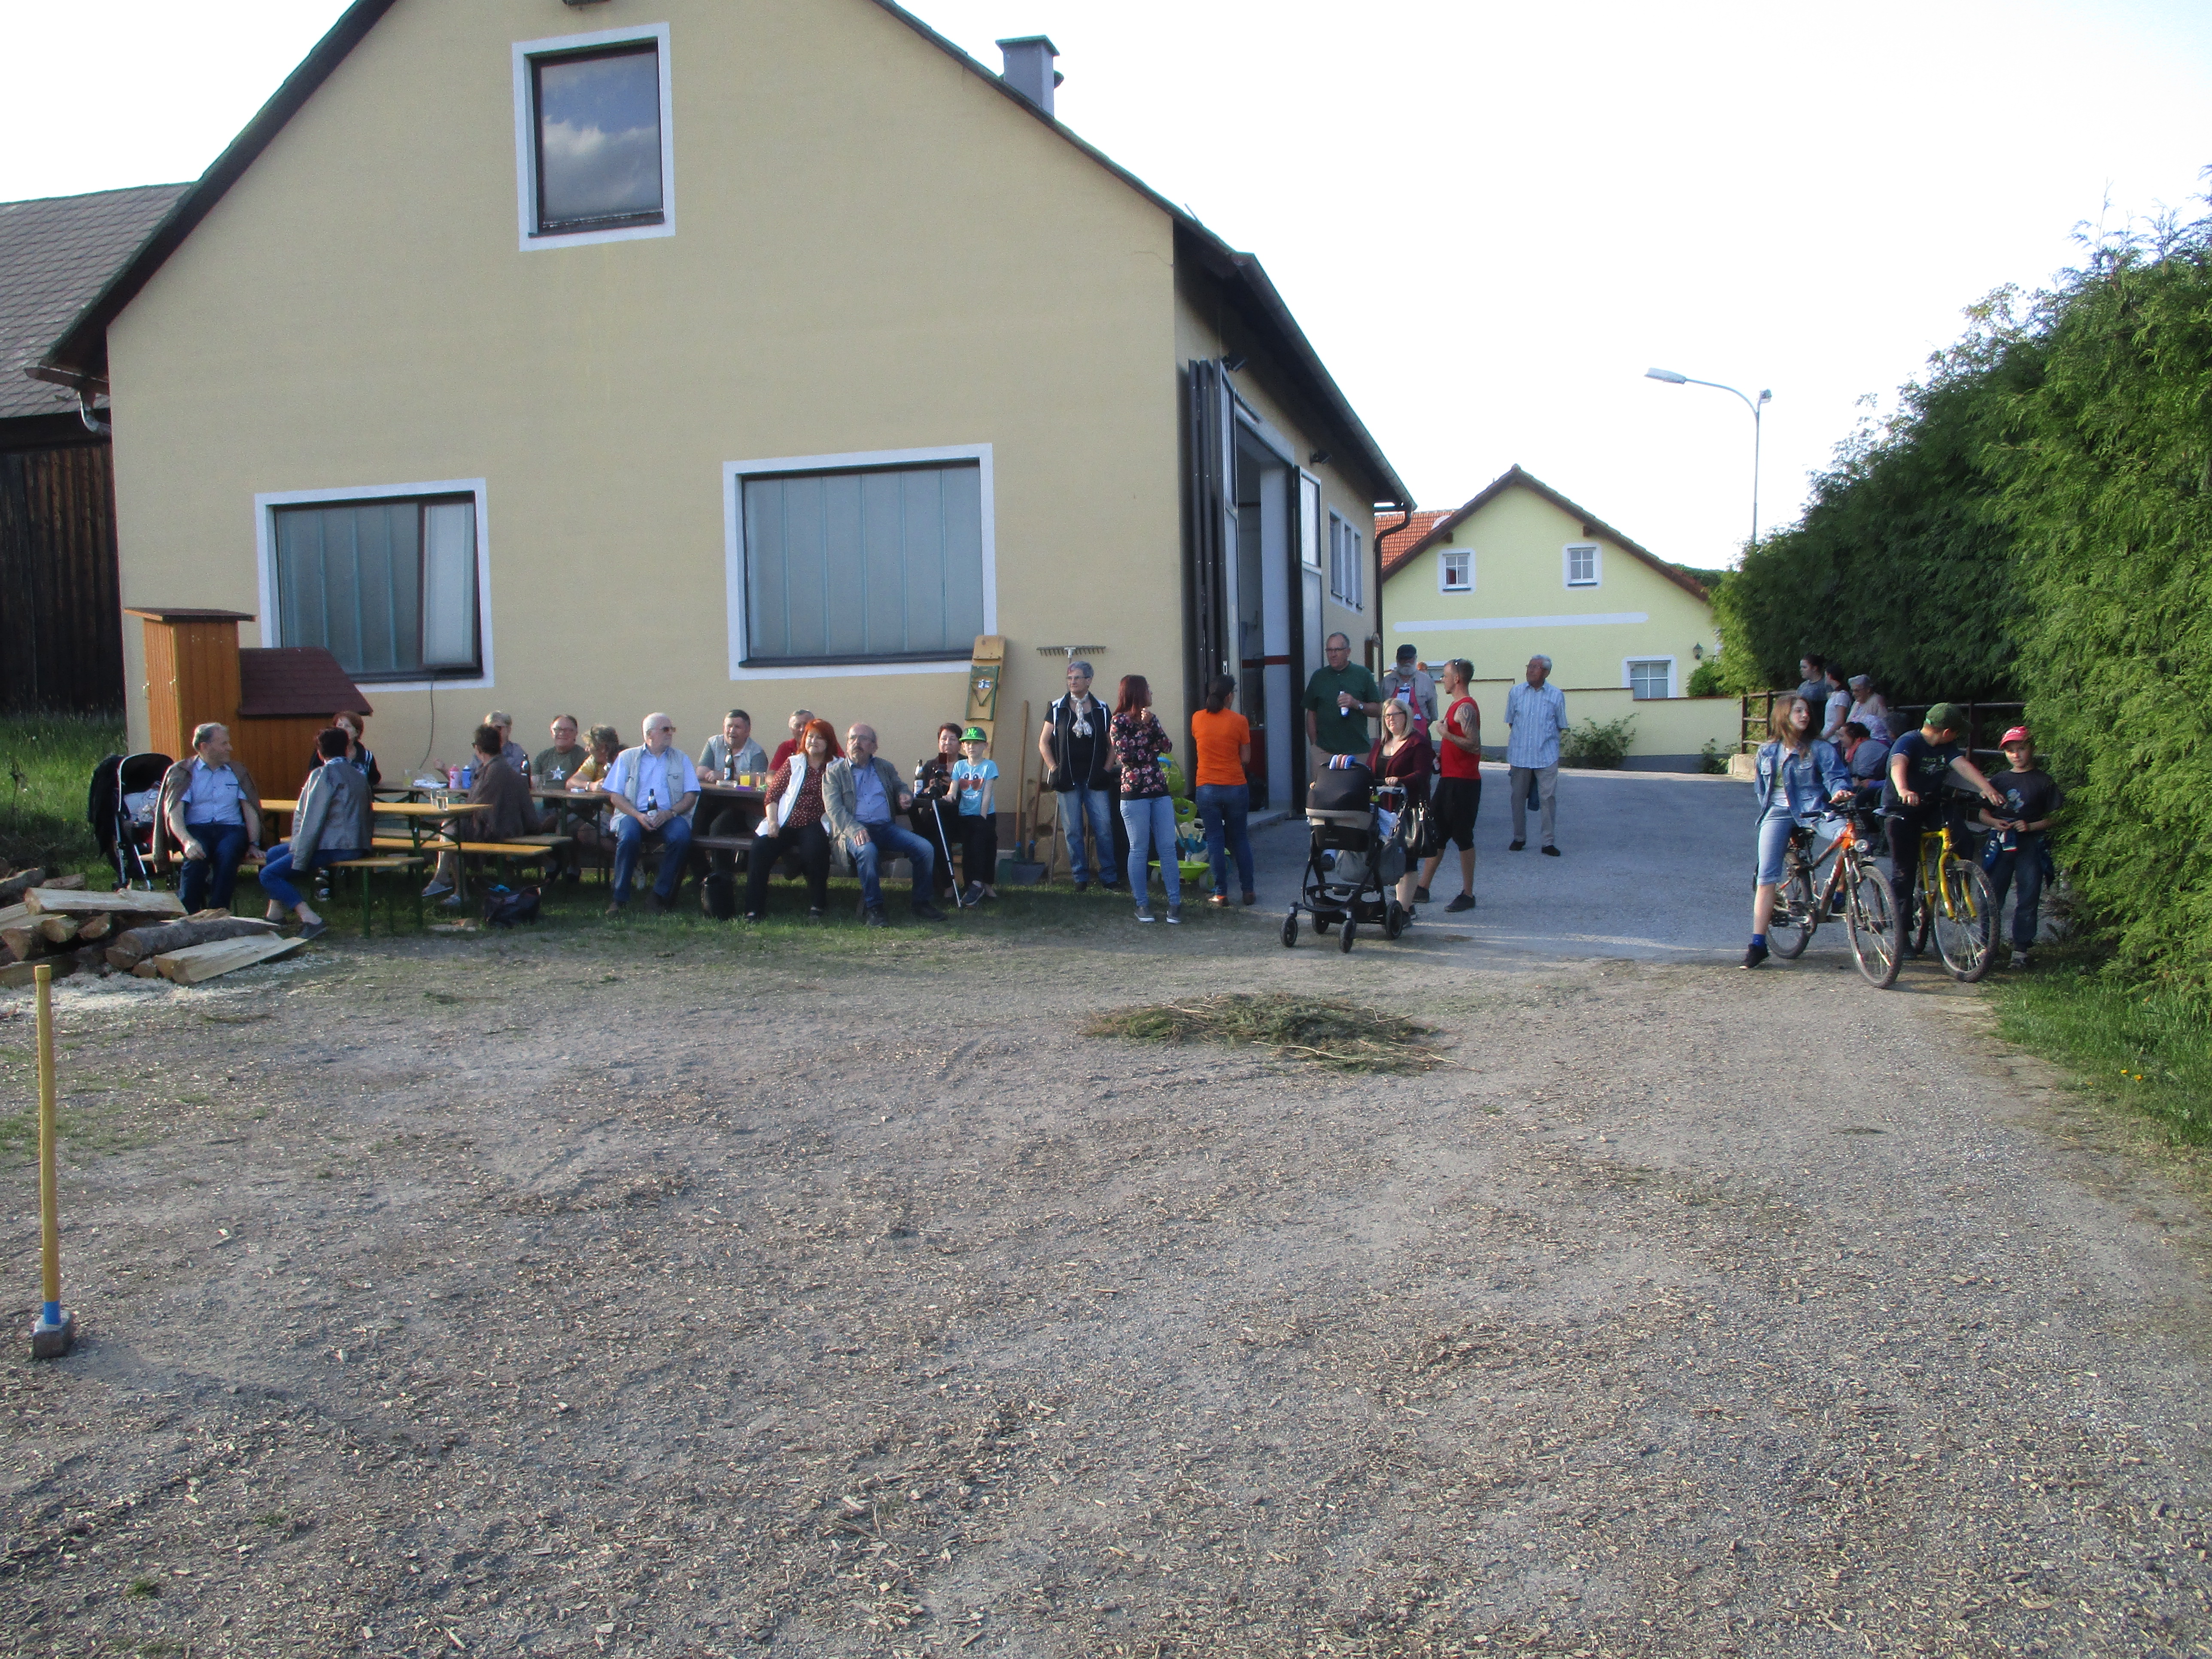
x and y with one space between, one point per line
46 766
2149 1048
1323 1031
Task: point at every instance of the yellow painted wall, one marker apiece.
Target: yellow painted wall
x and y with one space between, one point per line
874 250
1524 607
1672 729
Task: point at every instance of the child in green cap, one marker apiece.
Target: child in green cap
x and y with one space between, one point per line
975 786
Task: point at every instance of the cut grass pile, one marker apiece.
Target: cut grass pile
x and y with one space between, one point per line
1323 1031
2149 1048
45 767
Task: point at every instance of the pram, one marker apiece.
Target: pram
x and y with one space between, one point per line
1355 855
125 791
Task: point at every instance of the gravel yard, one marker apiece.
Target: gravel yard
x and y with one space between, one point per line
647 1290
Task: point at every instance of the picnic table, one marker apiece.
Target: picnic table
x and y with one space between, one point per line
715 797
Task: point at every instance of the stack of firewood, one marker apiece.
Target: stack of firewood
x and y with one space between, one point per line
52 920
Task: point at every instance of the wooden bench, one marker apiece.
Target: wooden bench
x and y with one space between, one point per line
372 867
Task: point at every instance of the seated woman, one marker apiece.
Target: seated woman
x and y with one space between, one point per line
328 825
791 821
595 832
357 751
934 817
1404 757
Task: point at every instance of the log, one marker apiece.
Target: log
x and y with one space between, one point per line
17 885
154 939
19 976
90 959
59 900
23 941
145 970
59 930
198 963
16 915
93 927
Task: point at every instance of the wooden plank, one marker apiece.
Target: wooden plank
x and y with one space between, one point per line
54 901
159 939
19 975
196 963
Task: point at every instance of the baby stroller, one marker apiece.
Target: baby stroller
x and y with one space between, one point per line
125 790
1355 855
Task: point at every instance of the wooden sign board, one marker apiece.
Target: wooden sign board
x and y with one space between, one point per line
989 662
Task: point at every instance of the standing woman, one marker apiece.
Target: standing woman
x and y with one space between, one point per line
1222 738
1796 772
1147 810
1404 757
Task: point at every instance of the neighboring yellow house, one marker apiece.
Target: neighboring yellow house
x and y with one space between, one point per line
1521 571
602 357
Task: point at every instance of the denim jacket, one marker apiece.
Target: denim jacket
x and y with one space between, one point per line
1807 780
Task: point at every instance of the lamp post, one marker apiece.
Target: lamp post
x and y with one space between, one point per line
1672 379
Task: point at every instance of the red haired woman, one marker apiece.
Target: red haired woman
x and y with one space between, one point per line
791 820
1147 810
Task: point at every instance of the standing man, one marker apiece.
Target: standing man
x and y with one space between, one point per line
731 749
1409 683
860 794
1339 697
1536 714
210 814
1457 795
651 791
1078 767
509 751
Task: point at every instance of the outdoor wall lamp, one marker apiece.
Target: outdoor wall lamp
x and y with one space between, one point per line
1672 379
1233 362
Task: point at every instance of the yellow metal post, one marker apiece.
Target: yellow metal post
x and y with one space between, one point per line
51 1336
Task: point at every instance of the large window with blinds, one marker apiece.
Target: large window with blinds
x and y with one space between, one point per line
388 586
875 564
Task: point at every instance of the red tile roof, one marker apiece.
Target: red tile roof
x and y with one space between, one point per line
1395 544
291 682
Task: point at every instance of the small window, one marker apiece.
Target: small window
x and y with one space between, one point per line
1582 565
388 587
1455 567
881 565
1344 568
592 133
1308 522
1648 680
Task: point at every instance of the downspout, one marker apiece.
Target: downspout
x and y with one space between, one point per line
1407 508
92 421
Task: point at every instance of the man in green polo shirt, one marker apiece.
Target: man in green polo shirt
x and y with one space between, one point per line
1338 699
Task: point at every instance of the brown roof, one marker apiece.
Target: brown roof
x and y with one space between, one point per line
56 253
291 682
1442 524
1394 545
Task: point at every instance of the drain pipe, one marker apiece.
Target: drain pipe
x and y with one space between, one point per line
1405 507
92 421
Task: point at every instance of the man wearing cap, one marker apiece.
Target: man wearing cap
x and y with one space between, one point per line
1409 682
2033 798
861 792
1920 764
1535 719
1078 767
651 791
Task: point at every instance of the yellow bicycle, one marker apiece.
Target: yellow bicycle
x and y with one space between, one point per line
1956 905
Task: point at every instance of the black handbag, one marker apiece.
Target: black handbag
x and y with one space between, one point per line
1422 831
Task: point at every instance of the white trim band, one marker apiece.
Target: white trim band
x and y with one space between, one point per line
1597 619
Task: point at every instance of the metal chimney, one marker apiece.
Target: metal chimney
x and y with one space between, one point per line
1029 68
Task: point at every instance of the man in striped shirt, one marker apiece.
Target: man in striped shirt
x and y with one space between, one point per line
1536 712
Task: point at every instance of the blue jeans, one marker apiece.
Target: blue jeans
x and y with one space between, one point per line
1092 809
277 874
1222 808
887 841
630 837
1152 827
206 884
2025 864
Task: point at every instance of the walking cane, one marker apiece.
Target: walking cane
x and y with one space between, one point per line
938 819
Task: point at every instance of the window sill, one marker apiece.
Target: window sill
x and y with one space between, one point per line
888 660
598 227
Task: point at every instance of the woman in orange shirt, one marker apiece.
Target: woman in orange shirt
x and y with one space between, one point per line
1222 738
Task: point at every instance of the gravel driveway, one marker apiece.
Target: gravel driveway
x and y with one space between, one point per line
639 1291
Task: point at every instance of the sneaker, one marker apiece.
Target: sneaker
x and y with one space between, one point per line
1218 900
1464 902
1551 852
925 911
1082 886
875 918
1175 913
974 895
1516 846
437 889
1145 914
317 929
2021 963
1753 955
615 909
1420 895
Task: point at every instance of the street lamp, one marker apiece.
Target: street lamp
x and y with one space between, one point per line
1672 379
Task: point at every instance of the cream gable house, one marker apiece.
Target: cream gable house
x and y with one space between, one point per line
1521 571
599 357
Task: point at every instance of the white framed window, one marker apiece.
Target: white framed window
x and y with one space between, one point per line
1455 570
594 144
394 581
1583 564
878 562
1649 677
1344 567
1308 522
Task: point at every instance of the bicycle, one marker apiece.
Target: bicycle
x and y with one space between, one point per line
1877 941
1955 903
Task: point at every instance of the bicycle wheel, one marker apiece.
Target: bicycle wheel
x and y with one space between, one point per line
1966 929
1877 940
1790 928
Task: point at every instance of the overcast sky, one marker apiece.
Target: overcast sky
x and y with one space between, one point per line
1491 220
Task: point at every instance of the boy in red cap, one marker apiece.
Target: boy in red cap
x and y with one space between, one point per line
2032 798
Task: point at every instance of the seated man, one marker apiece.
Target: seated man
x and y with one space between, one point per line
509 751
1867 756
552 769
329 824
733 751
789 746
651 791
860 793
210 816
506 792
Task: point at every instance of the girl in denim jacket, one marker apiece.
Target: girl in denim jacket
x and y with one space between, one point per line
1796 771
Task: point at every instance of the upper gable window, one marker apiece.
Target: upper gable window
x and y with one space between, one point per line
1455 570
593 151
1581 562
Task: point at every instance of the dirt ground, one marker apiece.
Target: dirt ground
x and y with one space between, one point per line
638 1291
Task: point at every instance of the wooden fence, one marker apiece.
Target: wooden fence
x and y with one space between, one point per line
1987 722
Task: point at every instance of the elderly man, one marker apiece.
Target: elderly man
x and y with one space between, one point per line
210 814
1078 767
1339 698
1409 683
1536 716
509 751
860 794
552 769
789 746
651 791
731 749
499 786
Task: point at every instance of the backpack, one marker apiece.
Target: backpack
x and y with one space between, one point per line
505 906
